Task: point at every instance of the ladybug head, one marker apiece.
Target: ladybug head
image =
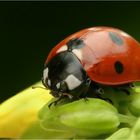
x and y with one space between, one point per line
64 74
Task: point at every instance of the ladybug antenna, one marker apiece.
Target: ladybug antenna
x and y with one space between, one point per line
34 87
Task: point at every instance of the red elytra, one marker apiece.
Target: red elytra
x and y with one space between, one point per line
105 50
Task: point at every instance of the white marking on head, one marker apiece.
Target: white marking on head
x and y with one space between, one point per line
78 53
45 74
58 85
49 82
62 49
72 82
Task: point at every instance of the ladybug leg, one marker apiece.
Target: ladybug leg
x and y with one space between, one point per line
49 106
98 90
85 99
125 91
106 99
131 85
63 95
55 102
68 95
125 88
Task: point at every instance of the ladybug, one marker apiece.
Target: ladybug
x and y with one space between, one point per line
93 56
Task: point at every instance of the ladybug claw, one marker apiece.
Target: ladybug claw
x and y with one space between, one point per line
126 91
131 85
106 99
86 99
125 88
49 106
109 100
55 102
100 91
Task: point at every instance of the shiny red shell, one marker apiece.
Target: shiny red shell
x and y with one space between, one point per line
103 47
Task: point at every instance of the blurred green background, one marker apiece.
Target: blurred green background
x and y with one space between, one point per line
28 31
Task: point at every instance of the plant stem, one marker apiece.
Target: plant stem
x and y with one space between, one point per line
127 119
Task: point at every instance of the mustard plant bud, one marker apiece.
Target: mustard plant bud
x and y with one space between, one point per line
135 134
134 105
84 118
122 133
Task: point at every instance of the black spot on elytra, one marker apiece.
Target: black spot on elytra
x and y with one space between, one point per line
116 38
75 43
118 67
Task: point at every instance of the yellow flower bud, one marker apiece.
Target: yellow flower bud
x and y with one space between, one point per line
20 111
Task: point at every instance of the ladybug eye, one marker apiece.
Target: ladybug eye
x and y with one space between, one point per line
63 86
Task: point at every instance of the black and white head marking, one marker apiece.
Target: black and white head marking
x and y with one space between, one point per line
45 74
65 74
46 79
58 85
49 82
72 82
